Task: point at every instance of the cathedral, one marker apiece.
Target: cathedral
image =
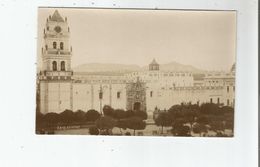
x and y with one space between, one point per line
59 88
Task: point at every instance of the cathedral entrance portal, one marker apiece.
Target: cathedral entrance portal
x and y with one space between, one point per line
136 96
137 106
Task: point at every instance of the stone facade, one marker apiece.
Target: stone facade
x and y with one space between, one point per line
60 88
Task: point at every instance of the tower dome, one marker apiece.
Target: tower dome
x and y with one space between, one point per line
153 66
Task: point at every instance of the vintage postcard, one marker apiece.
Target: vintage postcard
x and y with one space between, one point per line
136 72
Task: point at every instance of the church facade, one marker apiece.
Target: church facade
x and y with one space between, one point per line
59 88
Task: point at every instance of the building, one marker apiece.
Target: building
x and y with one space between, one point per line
60 88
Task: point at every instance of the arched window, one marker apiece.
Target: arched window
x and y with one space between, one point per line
151 93
62 66
54 45
100 95
118 95
46 47
54 66
61 45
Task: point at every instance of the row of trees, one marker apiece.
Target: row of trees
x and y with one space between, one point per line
101 124
188 118
66 118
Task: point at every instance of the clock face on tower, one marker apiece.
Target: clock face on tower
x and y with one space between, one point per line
57 29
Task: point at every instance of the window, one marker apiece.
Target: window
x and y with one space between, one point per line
218 100
46 47
227 88
211 100
100 95
151 93
234 88
54 66
62 66
54 45
61 45
118 95
47 28
227 102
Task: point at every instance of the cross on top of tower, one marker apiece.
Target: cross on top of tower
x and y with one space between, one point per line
56 17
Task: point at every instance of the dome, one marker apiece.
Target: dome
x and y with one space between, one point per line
154 62
153 66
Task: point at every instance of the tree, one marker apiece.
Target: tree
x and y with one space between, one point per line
67 117
175 108
181 130
128 134
129 113
200 125
119 114
105 124
93 130
190 114
141 114
227 109
135 123
79 116
108 111
228 117
51 119
217 126
92 115
210 108
163 120
121 124
39 120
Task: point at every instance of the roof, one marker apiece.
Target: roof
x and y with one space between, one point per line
154 62
198 77
56 17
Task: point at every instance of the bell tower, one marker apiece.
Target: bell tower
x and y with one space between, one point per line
56 53
56 75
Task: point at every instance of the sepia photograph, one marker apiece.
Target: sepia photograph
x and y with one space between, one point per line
136 72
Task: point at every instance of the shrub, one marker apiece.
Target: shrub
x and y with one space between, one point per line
93 130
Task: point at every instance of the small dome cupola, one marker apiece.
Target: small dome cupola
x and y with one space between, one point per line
153 66
233 68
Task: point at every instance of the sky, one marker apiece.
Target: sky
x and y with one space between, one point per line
203 39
